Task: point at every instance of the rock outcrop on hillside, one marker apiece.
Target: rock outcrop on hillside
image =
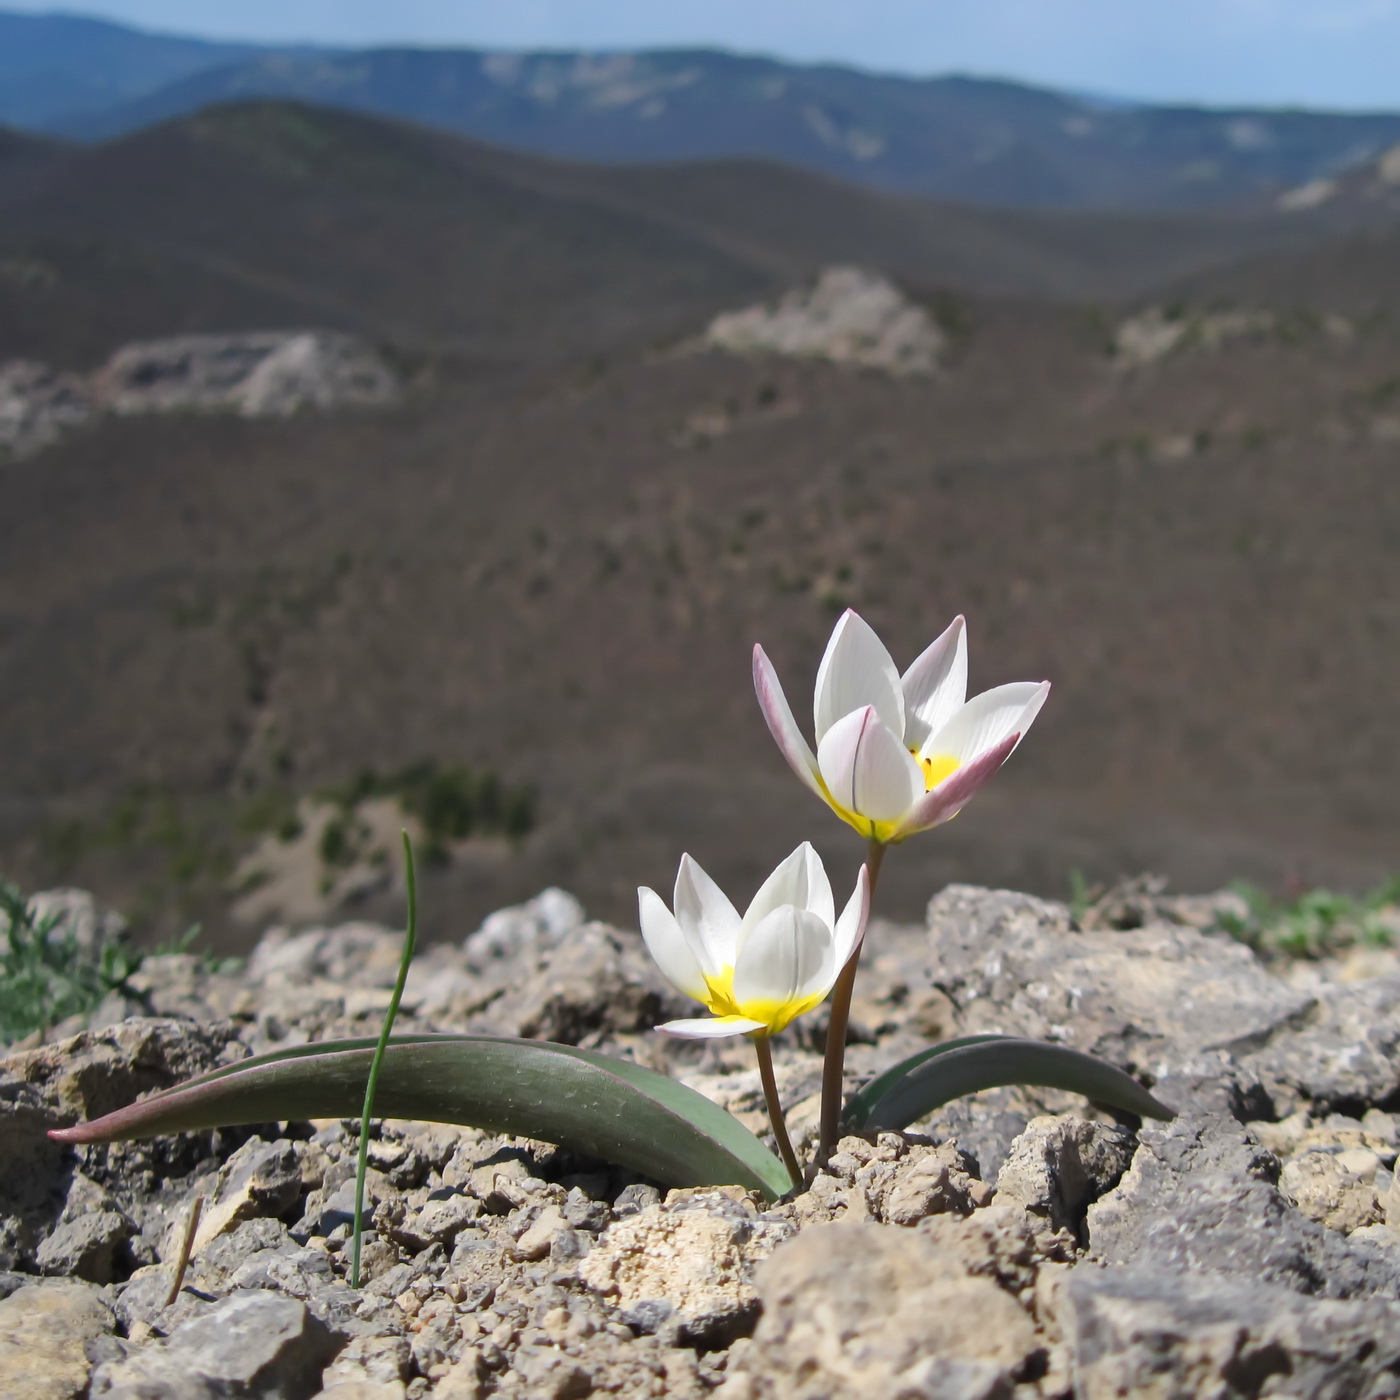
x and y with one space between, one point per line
1020 1244
38 405
850 316
257 374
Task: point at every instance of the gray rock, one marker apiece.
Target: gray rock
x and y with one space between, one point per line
439 1221
540 924
1345 1054
1200 1195
1142 1331
1058 1166
261 1178
1145 999
597 981
85 1247
254 1346
82 1077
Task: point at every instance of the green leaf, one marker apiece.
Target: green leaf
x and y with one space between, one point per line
926 1081
557 1093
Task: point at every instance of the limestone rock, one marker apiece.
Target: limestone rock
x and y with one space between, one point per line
257 374
853 1311
261 1178
1347 1052
439 1221
38 405
81 1077
595 981
84 1247
686 1263
1141 1331
1143 999
49 1334
1327 1191
1200 1195
850 316
1061 1164
893 1179
255 1344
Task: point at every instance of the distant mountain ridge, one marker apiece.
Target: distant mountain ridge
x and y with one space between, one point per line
967 139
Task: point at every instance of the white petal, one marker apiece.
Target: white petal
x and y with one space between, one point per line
850 927
668 946
867 769
781 725
935 686
712 1027
856 671
800 880
944 802
987 719
708 920
785 958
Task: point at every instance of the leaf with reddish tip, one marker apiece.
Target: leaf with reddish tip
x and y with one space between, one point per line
926 1081
579 1099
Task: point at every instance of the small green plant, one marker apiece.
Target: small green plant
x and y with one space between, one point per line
46 975
376 1065
1316 924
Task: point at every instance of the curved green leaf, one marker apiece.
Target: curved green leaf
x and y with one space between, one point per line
858 1106
936 1076
557 1093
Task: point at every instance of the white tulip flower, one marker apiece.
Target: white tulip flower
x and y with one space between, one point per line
896 755
758 973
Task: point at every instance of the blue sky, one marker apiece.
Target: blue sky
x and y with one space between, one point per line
1330 53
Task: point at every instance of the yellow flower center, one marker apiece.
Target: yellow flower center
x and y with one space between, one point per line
773 1013
936 767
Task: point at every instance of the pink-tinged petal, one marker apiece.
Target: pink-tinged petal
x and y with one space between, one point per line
785 959
850 927
987 719
668 946
708 920
953 793
781 724
857 671
712 1027
866 768
800 880
935 686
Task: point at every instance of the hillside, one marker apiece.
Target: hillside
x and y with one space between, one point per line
275 215
552 559
970 140
224 221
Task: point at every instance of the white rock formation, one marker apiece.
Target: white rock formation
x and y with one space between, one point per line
258 374
850 316
37 405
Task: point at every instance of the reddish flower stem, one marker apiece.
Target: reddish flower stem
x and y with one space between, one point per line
832 1088
775 1110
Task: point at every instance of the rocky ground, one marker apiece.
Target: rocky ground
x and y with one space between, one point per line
1020 1245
